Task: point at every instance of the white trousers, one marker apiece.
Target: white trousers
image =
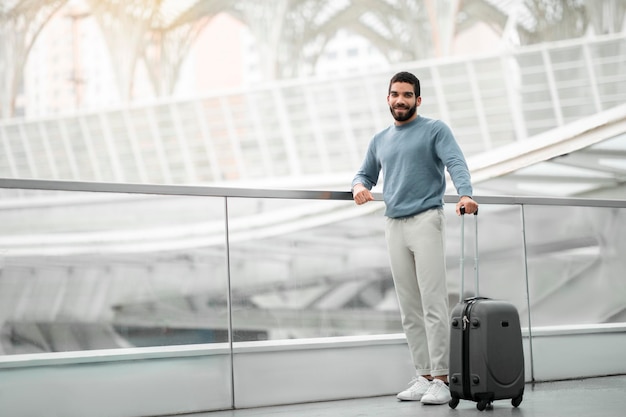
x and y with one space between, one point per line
417 254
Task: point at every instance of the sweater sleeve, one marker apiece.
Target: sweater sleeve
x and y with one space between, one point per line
452 157
370 169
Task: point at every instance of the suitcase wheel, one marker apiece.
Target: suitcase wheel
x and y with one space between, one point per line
483 404
515 402
453 403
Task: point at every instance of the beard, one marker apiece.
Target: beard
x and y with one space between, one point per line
410 111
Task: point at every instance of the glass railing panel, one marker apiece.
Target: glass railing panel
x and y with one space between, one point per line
309 268
576 264
501 273
83 271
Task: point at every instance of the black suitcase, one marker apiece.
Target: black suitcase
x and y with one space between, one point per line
486 352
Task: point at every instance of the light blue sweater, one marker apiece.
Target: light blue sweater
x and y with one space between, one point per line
412 158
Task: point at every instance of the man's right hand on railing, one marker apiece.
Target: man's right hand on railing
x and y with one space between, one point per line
361 195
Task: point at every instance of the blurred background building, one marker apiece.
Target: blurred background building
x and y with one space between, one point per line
64 56
207 92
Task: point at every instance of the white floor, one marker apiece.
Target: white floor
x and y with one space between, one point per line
593 397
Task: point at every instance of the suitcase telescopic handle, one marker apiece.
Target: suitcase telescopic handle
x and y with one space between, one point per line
463 211
462 258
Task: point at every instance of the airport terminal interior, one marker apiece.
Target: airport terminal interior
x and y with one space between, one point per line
199 253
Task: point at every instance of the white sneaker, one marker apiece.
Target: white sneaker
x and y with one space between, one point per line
438 393
417 388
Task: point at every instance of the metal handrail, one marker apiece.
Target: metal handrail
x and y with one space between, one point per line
212 191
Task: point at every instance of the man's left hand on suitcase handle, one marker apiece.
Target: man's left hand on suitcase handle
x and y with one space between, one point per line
466 205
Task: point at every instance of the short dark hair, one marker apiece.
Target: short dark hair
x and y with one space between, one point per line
406 77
